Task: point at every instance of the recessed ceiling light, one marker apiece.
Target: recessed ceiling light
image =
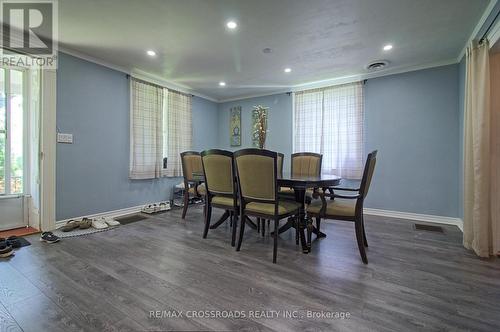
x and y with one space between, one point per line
287 70
231 25
151 53
222 83
388 47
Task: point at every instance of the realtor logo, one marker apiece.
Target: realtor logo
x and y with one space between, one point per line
29 31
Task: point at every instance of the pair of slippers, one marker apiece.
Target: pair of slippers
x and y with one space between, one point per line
7 246
102 223
74 224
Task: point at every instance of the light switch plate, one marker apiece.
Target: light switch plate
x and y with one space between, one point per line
65 138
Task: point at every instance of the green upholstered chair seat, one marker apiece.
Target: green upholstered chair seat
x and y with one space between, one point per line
222 200
337 207
201 189
284 207
286 191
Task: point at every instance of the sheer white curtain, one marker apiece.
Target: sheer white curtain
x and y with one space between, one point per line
179 132
330 121
146 130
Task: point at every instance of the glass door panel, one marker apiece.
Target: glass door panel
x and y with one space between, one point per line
16 100
3 132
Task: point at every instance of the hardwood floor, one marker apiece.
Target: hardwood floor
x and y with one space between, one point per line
111 281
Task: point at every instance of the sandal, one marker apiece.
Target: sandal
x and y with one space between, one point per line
85 223
5 250
70 225
48 237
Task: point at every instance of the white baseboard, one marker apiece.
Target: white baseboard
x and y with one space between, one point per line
416 217
368 211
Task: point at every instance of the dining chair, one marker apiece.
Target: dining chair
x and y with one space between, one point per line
304 164
344 206
257 171
191 163
218 167
261 223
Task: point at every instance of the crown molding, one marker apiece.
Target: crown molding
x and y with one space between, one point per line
348 79
478 27
293 88
135 73
169 85
494 34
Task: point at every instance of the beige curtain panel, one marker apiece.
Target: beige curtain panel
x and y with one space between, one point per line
495 149
179 132
146 130
330 121
478 222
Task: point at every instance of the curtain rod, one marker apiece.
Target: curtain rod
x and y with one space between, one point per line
158 85
489 27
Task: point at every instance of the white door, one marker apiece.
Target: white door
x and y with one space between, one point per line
13 148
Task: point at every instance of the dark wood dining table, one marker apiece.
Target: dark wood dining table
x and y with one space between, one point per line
300 184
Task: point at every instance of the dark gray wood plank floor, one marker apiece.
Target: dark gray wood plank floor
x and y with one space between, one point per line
112 281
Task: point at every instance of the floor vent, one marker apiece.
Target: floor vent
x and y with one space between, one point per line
429 228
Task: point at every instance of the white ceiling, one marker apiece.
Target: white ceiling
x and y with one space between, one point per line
318 39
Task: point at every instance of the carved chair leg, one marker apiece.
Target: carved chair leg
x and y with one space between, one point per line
309 233
186 203
242 230
208 216
318 225
233 235
364 233
359 237
275 248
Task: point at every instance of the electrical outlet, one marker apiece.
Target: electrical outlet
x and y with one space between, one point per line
65 138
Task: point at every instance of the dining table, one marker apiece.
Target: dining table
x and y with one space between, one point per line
300 184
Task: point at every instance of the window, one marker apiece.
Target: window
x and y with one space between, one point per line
12 123
160 130
330 121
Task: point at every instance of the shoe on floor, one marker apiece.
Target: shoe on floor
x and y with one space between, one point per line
111 222
85 223
5 250
13 241
99 223
48 237
70 225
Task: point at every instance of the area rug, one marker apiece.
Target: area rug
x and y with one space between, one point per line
80 232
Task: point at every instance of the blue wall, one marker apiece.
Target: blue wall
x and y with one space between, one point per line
279 137
413 121
92 173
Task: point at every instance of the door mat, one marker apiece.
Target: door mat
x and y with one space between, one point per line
24 242
131 218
